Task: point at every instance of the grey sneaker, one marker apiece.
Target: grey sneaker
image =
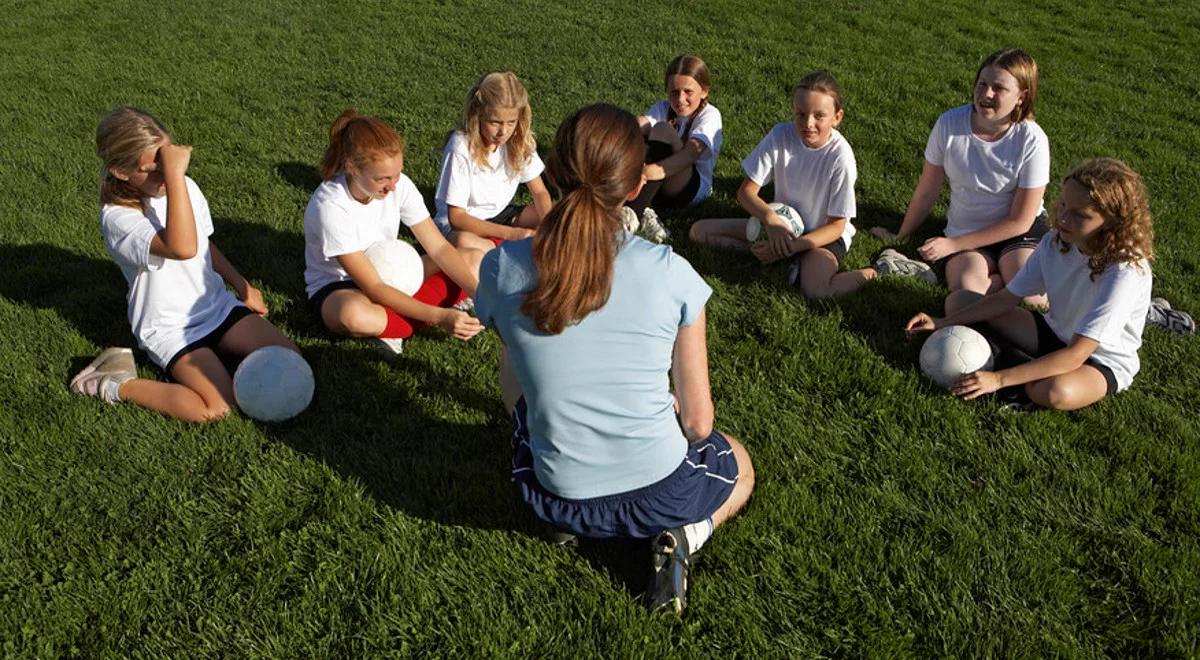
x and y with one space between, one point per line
671 562
388 348
891 262
629 219
105 375
652 229
1161 314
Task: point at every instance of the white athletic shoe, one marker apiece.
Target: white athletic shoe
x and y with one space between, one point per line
388 348
629 219
652 229
105 375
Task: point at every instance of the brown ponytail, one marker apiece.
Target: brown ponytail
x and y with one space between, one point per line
358 139
596 162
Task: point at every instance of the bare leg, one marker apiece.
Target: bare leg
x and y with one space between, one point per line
819 276
1010 265
741 491
727 233
1016 325
970 271
203 391
529 218
1070 391
351 312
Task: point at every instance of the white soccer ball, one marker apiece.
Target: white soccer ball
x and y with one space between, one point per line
754 226
273 384
953 351
398 265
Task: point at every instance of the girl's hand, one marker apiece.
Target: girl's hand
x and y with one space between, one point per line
764 252
883 234
459 325
174 159
653 172
518 233
937 248
920 323
253 300
779 237
975 385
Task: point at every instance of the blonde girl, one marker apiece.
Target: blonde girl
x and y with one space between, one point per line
997 160
1094 266
598 324
486 158
156 225
363 200
814 171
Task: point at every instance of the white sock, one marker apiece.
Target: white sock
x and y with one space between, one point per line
698 533
112 387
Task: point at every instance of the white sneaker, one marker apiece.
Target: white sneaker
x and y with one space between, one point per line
388 347
105 375
629 219
652 229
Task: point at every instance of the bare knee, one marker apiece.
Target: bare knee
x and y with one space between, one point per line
664 132
960 299
358 319
696 232
209 412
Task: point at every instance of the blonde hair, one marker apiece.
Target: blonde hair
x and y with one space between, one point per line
821 81
358 139
499 89
1022 67
1118 194
121 138
596 162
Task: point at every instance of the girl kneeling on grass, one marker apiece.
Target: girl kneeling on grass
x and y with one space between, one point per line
156 226
484 161
362 201
1094 266
597 323
814 171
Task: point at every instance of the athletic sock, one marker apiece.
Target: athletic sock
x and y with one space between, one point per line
397 327
698 533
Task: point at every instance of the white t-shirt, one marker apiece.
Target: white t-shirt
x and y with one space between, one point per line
819 183
1111 309
335 224
172 302
707 130
482 192
984 176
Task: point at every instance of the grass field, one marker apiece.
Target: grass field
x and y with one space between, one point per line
889 519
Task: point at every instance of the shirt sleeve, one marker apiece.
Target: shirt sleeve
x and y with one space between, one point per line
706 127
454 186
485 292
1030 280
200 210
128 233
1035 167
533 168
657 112
935 146
690 290
760 164
1119 292
412 206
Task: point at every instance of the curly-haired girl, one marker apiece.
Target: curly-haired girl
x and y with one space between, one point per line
1094 266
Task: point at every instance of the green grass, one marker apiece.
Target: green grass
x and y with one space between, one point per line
889 519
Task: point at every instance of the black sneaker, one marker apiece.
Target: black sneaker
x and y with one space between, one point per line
555 536
671 560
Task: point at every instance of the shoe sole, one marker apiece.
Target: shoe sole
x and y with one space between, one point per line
95 364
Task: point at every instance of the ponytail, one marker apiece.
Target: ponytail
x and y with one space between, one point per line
596 162
358 139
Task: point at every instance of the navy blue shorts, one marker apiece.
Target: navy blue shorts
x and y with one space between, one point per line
508 216
213 339
693 492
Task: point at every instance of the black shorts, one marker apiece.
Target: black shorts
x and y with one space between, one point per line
317 299
213 339
1048 342
1029 239
508 216
657 151
838 248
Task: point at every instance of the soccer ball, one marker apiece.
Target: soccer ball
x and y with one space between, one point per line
756 232
953 351
273 384
398 265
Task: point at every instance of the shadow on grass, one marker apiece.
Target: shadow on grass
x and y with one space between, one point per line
86 292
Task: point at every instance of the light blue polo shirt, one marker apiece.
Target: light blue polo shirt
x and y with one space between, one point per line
601 417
